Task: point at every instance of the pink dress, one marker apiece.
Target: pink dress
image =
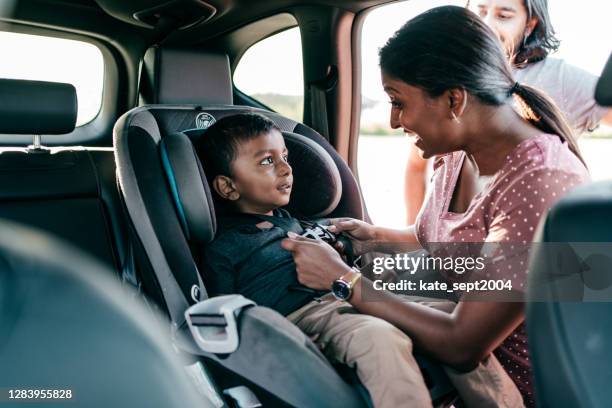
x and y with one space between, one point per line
536 174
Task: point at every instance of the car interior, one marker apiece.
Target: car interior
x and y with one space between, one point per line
123 200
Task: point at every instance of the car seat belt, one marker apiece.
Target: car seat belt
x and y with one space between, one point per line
171 292
318 110
318 101
306 228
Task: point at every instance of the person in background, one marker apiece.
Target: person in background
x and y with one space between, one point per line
525 30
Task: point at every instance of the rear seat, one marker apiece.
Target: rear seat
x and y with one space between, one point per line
70 192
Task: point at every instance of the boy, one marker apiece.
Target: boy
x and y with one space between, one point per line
245 160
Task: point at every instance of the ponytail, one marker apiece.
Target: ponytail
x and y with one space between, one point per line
539 110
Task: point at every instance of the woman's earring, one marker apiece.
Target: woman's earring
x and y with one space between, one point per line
455 118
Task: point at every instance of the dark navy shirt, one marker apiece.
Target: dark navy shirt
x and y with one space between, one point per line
246 259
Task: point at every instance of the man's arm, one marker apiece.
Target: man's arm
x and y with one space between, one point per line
607 119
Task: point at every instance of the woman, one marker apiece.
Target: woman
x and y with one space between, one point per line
497 172
525 29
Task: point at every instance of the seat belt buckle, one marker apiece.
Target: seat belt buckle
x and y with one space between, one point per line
213 324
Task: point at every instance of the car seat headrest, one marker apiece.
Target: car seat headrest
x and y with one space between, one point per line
190 191
37 107
317 185
184 76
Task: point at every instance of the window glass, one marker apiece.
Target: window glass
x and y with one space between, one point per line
52 59
582 30
382 151
271 72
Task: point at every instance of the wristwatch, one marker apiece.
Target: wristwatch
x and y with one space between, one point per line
342 288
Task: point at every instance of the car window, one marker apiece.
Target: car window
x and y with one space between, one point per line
382 180
271 72
51 59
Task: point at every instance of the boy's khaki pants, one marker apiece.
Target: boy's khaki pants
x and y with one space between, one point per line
382 356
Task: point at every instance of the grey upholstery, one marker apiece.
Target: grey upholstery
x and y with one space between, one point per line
191 193
36 107
65 324
570 341
183 76
275 355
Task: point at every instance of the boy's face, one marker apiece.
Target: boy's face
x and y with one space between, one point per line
261 177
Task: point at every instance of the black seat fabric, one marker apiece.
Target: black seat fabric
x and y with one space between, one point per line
36 107
566 330
70 192
179 75
603 90
66 325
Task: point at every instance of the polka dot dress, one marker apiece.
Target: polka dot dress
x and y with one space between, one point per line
536 174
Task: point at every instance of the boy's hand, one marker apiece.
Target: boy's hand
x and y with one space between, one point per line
317 264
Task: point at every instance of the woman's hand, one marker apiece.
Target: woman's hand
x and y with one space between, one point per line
361 233
318 265
367 238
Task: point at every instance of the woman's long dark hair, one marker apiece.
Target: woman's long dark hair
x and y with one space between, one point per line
450 47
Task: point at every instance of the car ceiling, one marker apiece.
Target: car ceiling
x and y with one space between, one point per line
228 15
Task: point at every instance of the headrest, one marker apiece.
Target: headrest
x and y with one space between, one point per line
36 107
317 185
184 76
190 191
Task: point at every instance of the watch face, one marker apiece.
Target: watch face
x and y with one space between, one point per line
341 290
